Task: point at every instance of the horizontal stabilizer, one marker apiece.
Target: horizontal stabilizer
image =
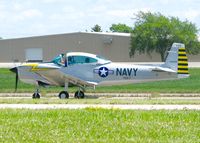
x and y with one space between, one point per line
161 69
92 83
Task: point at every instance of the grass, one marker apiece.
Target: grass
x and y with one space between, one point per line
189 85
98 101
99 125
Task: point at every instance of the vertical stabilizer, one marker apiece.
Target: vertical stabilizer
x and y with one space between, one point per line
177 60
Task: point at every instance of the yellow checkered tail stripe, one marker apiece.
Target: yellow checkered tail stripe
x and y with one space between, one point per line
182 62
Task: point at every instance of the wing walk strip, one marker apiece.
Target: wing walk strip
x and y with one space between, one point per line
182 62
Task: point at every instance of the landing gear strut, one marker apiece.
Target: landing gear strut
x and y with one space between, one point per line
64 94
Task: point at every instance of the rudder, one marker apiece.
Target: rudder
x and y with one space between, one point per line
182 61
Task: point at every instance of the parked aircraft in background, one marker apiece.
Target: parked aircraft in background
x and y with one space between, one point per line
85 70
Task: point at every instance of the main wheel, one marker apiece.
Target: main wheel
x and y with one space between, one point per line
36 96
63 95
79 94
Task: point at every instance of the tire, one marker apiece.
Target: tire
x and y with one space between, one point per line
36 96
63 95
79 94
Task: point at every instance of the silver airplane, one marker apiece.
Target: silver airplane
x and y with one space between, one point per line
89 70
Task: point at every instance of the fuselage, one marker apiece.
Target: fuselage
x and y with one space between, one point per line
107 74
117 73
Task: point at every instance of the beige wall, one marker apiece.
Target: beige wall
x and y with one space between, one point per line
52 45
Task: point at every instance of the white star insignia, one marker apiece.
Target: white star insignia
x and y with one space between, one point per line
103 72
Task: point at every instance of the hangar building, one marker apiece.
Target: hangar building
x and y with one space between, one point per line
113 46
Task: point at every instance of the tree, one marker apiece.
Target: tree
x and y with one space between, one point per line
96 28
121 28
156 32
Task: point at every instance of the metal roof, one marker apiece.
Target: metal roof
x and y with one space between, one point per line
95 33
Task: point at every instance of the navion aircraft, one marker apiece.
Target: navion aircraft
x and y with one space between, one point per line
89 70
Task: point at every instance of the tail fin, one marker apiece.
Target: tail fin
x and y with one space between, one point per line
177 60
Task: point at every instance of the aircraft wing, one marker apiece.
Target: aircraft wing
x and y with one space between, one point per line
38 73
78 81
58 77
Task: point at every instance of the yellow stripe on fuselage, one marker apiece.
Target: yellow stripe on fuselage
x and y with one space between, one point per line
39 69
30 64
34 67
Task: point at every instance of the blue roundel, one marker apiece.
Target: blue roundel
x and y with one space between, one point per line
103 71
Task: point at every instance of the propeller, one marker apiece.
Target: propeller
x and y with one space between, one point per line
15 70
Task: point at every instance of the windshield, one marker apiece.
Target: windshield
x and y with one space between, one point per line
62 60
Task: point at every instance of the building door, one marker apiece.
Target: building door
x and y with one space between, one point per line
34 55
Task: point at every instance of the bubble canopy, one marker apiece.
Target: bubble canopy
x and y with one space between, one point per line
78 58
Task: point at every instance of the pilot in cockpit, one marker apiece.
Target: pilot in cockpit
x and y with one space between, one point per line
59 60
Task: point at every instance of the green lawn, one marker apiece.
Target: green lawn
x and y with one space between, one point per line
99 125
189 85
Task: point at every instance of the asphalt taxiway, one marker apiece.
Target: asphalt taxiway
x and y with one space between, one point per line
108 96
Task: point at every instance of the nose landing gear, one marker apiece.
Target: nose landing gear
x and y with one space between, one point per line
36 95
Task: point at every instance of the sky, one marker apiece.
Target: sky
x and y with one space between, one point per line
25 18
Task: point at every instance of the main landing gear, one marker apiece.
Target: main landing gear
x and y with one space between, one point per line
78 94
63 95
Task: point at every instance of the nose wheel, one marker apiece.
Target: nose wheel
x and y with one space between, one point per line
79 94
36 95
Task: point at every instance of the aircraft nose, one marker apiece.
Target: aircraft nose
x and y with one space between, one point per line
14 69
